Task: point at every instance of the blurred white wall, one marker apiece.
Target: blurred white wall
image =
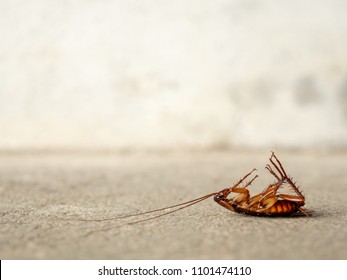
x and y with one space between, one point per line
172 74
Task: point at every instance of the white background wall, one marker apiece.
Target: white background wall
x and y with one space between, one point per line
172 74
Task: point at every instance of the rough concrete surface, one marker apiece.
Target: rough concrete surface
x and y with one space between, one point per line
45 197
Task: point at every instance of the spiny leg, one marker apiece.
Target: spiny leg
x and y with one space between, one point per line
285 177
250 182
279 169
283 174
243 195
303 211
268 167
234 188
243 192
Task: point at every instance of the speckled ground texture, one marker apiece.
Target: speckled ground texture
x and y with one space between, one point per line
45 199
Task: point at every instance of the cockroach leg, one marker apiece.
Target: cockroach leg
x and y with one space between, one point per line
302 210
280 169
243 193
268 167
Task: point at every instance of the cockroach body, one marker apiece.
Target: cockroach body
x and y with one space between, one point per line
270 202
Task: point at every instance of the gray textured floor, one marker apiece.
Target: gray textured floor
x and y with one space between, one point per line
43 198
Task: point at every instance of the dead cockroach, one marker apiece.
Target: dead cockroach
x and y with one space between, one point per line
270 202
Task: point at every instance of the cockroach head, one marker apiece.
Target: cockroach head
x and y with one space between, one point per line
221 195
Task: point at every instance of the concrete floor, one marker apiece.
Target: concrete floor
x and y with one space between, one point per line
45 197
